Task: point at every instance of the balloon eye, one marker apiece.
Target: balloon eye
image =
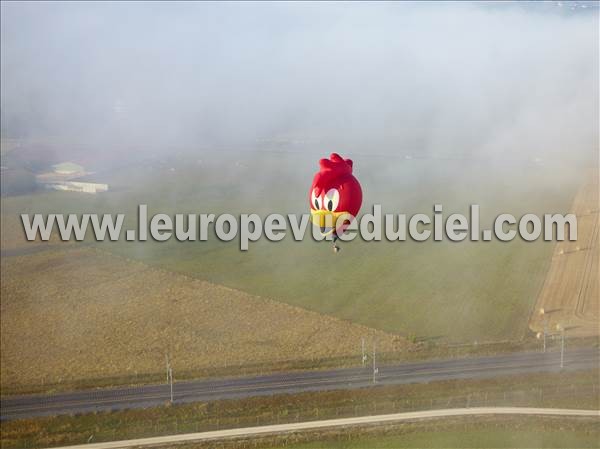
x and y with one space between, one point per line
331 200
316 201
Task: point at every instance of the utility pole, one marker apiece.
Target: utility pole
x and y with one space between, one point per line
168 366
375 369
364 355
561 328
171 379
545 318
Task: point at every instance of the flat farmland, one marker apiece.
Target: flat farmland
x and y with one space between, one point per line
82 315
480 434
451 292
570 295
12 237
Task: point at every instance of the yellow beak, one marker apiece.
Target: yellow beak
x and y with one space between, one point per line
325 220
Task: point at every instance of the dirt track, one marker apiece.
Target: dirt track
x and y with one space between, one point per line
571 292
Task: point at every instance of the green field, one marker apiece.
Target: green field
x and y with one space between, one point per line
456 292
485 438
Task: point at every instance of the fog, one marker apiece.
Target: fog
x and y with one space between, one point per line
513 85
452 78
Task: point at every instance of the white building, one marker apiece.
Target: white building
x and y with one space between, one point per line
67 176
77 186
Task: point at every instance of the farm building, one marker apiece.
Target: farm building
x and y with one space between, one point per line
68 176
68 169
78 186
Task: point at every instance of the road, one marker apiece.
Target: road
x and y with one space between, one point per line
296 382
332 423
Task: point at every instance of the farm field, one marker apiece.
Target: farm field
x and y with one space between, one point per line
85 316
571 292
436 291
489 437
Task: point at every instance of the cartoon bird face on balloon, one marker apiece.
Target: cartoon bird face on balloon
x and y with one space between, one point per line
334 193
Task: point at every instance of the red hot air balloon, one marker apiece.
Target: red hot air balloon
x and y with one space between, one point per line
334 192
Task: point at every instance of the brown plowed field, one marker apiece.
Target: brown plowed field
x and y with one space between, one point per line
571 292
81 314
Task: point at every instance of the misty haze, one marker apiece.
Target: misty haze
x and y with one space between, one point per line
198 108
